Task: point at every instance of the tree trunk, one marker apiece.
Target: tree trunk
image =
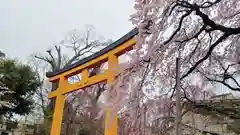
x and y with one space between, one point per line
50 109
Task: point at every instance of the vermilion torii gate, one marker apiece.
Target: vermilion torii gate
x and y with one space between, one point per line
109 54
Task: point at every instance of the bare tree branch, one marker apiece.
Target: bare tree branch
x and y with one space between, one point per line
51 56
46 60
59 55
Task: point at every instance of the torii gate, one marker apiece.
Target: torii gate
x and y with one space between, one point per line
109 54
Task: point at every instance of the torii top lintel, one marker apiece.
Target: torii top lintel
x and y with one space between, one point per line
53 76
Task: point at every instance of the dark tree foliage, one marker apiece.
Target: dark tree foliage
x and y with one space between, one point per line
20 79
2 54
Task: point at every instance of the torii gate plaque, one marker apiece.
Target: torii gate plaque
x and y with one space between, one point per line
109 54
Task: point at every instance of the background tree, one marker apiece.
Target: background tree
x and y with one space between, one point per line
4 90
2 54
80 46
22 82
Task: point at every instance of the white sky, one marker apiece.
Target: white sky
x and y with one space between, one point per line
28 26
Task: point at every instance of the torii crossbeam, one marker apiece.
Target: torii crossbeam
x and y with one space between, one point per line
109 54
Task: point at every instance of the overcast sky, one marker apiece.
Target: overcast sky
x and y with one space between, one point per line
28 26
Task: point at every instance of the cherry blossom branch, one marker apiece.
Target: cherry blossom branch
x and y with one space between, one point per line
219 81
208 4
223 37
194 36
179 27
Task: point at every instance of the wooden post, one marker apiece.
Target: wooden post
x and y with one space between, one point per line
111 124
178 104
58 110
